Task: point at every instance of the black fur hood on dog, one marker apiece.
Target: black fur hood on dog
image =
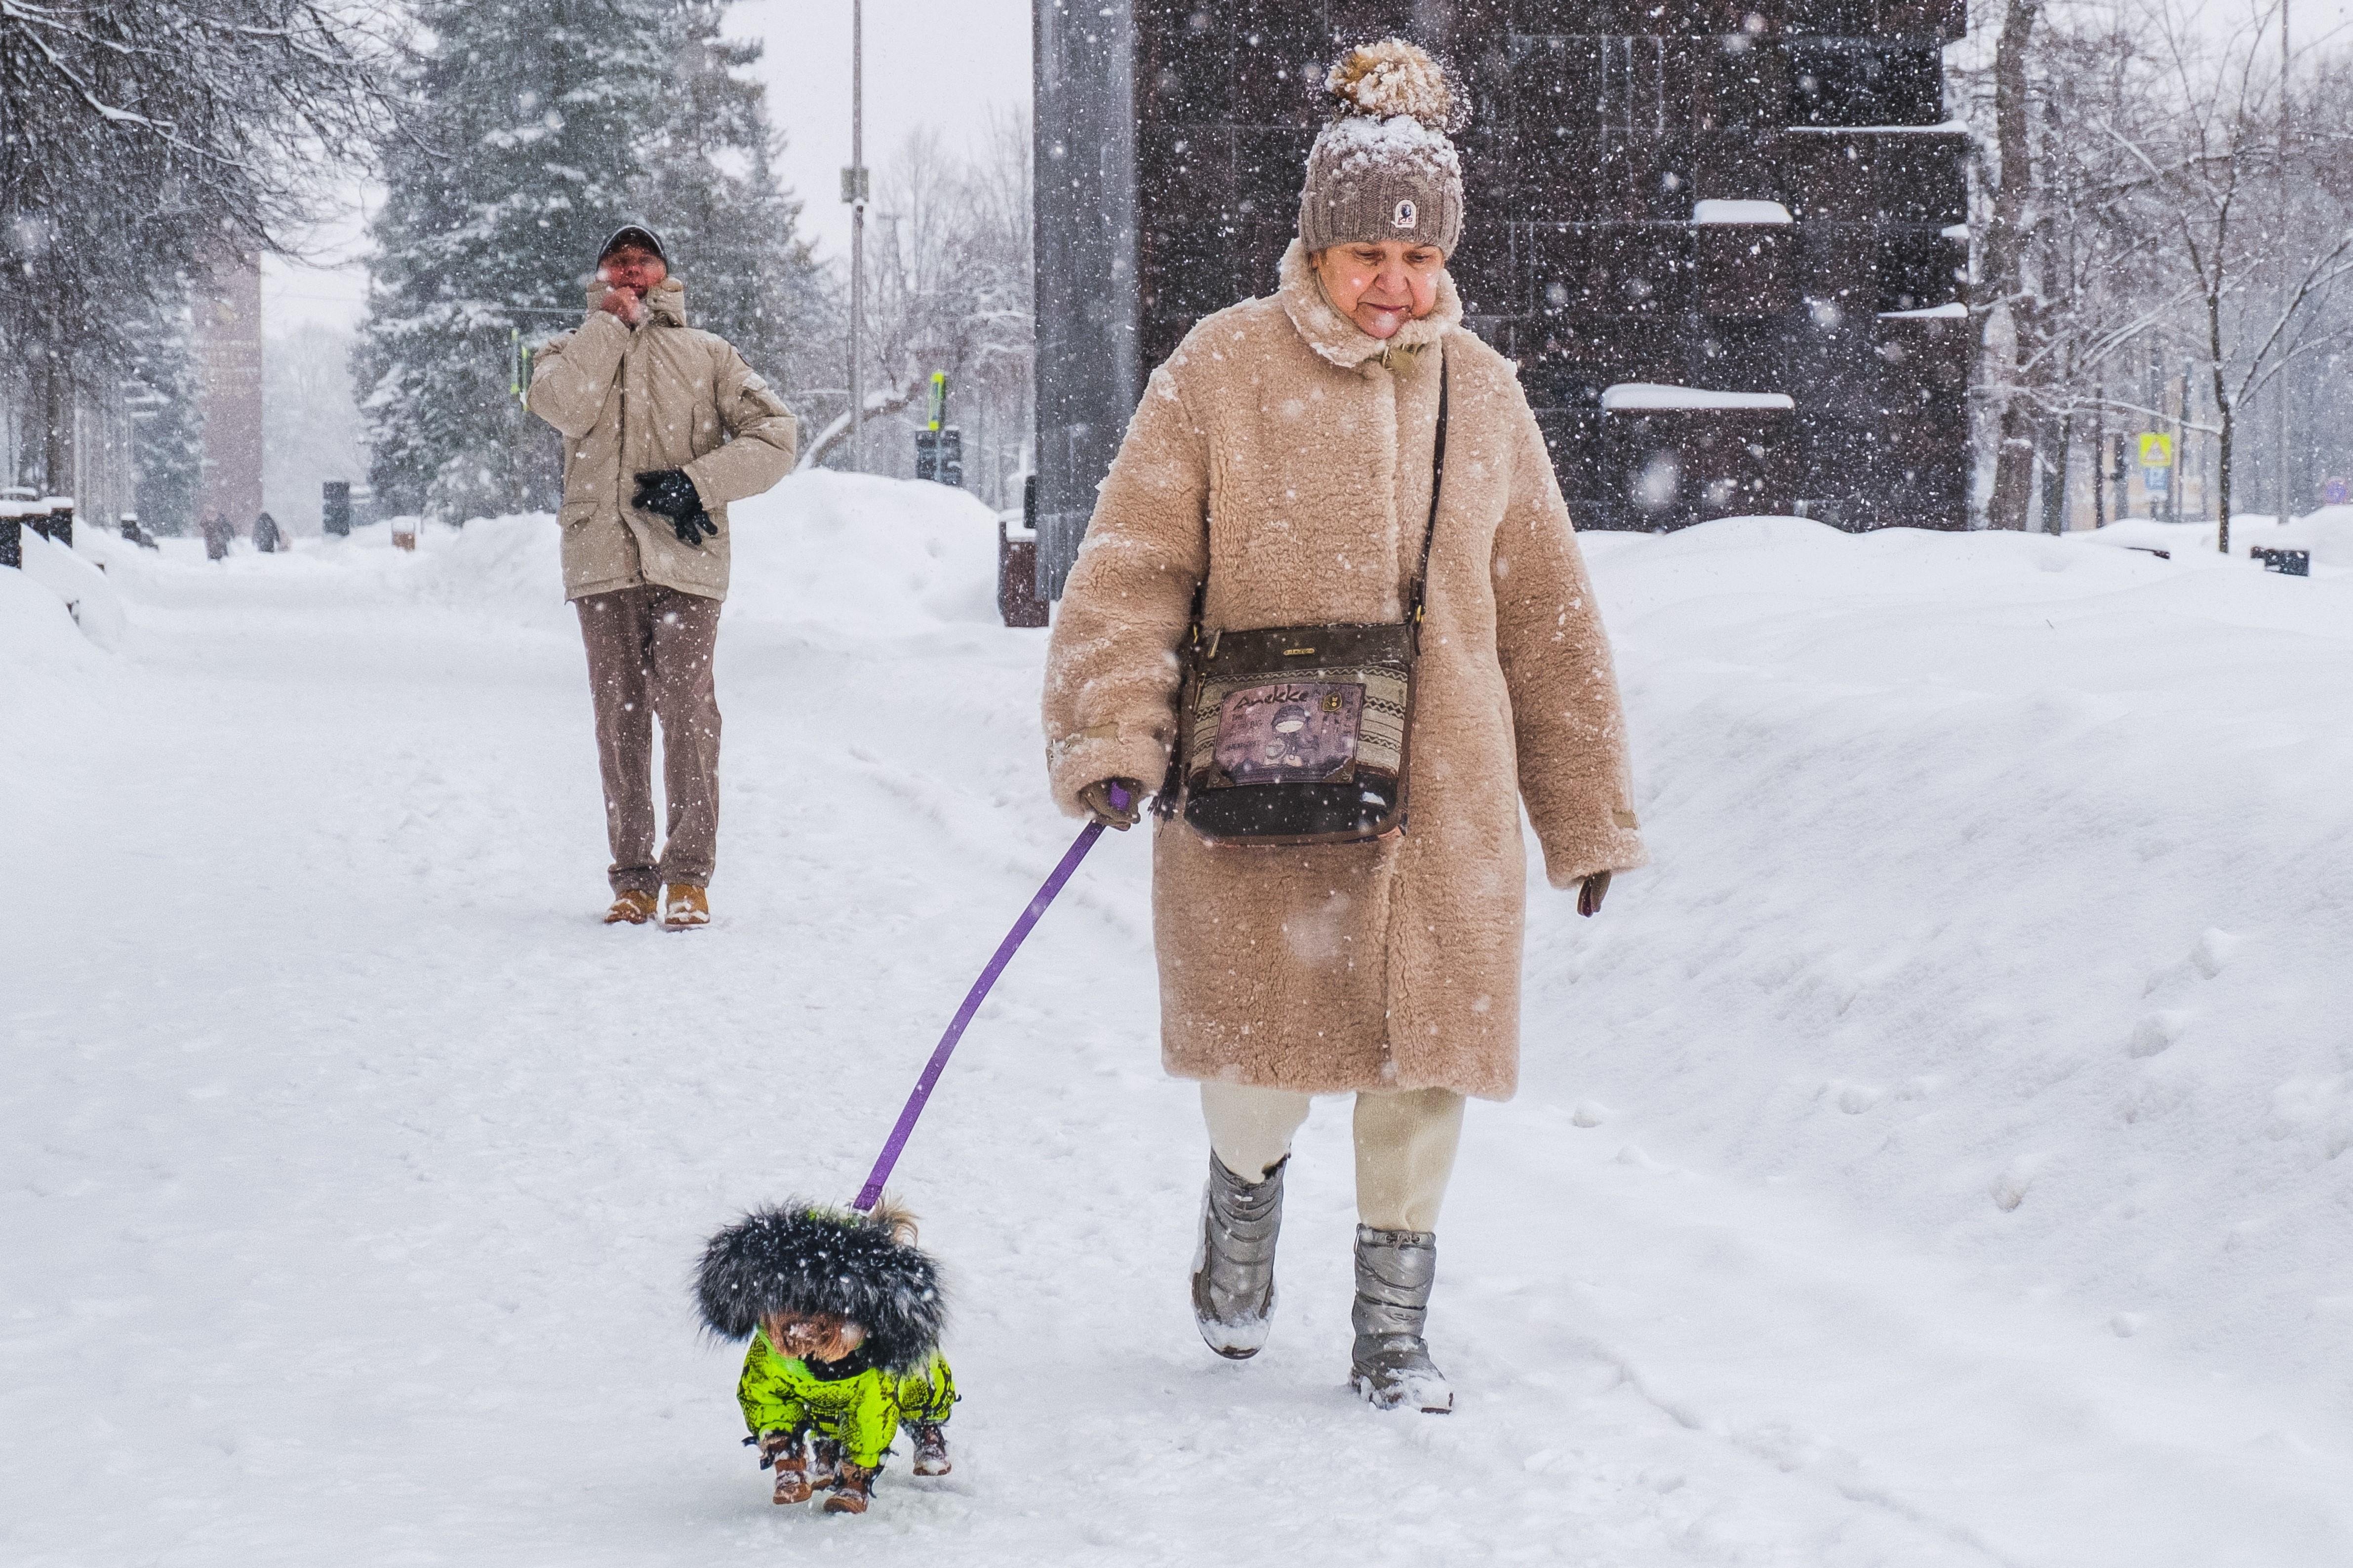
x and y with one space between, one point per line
801 1258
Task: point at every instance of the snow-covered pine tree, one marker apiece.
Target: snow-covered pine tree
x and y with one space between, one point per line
709 186
534 123
167 432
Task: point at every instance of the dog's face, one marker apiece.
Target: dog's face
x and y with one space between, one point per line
815 1337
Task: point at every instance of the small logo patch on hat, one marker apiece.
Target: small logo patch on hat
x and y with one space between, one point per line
1405 215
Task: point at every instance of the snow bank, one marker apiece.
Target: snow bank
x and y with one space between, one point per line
38 637
1999 892
840 552
853 554
89 600
2327 533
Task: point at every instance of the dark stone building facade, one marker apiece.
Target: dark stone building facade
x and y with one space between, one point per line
1722 238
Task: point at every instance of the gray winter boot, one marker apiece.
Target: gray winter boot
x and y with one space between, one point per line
1233 1273
1390 1365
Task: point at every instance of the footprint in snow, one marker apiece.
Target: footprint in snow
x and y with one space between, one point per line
2214 949
2156 1035
2010 1187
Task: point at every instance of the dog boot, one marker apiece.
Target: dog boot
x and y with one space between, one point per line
1234 1272
1390 1365
931 1448
687 908
825 1464
783 1450
631 906
853 1489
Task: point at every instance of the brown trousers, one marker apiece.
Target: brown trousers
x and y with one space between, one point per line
650 656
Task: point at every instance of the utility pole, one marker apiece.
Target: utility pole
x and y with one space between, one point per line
2180 447
855 192
2099 455
2284 499
2181 438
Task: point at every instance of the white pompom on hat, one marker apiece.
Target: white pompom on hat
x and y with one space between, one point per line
1383 168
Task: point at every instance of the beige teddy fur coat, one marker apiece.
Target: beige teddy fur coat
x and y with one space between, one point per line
1287 455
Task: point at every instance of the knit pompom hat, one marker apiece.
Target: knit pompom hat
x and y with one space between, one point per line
1383 168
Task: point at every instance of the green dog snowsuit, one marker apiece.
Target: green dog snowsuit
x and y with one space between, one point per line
856 1404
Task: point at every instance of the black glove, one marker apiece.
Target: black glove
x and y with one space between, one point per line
671 493
1589 896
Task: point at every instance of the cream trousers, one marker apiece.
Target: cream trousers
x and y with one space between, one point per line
1406 1140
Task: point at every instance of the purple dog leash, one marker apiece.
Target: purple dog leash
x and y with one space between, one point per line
871 1193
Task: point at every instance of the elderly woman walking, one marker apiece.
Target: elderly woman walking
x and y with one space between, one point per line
1330 565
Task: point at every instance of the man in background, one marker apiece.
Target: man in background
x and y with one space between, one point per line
663 426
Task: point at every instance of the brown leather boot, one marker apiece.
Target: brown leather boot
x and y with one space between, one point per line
825 1464
853 1489
931 1448
686 908
631 906
783 1450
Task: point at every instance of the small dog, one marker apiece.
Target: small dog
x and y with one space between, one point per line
844 1315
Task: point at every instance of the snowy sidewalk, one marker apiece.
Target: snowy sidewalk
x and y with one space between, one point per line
1931 1161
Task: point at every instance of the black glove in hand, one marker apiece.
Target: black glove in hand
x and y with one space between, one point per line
671 493
1589 896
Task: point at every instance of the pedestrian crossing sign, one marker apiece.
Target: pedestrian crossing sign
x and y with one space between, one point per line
2155 451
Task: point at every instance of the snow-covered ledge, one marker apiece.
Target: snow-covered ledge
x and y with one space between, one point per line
1942 128
1931 313
1740 212
1635 396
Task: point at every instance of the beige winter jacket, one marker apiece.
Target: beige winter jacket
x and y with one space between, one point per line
663 395
1288 455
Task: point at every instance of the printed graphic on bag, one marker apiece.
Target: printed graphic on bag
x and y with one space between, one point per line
1292 732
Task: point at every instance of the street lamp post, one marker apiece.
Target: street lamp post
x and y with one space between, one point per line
855 192
2284 496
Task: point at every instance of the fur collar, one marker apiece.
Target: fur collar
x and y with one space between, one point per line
1340 340
803 1260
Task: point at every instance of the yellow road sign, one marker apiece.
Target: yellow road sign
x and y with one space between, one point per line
2155 451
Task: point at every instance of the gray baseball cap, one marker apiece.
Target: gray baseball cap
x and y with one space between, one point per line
634 234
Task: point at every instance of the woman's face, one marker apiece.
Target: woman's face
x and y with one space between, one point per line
1380 285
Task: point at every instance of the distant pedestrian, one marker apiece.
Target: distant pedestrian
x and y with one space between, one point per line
265 534
645 551
218 531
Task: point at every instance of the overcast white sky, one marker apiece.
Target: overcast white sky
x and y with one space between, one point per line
939 62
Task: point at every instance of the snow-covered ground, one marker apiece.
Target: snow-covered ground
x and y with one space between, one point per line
1933 1159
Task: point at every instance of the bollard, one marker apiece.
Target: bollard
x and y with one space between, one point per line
1016 564
55 520
2286 562
335 508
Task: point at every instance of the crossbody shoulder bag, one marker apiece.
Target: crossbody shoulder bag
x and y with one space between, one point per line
1300 734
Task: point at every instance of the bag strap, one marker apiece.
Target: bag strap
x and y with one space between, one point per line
1420 596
